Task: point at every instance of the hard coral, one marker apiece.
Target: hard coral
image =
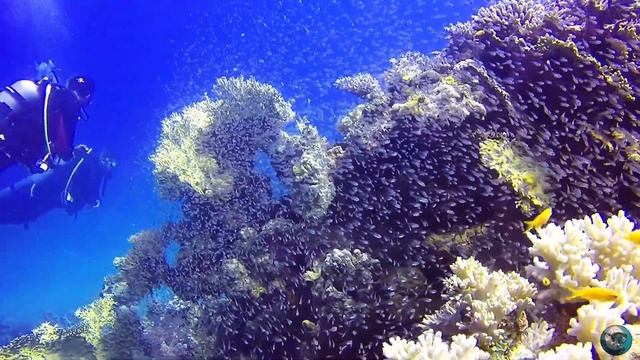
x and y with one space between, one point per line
235 279
590 253
168 329
363 85
305 163
431 346
339 286
490 298
526 176
571 71
47 333
559 80
249 119
180 163
142 269
211 142
568 351
587 253
97 318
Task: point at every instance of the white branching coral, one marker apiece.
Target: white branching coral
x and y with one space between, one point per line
592 320
579 351
430 346
609 243
537 336
490 297
589 252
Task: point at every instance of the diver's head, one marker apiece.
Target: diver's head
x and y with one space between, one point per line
83 87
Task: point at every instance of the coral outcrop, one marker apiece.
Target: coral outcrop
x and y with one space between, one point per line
431 346
584 253
532 104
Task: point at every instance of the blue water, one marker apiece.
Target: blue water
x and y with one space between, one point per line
151 58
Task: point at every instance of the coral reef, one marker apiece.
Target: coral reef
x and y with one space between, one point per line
142 269
221 136
590 253
532 104
305 162
167 329
567 351
569 69
524 174
177 159
488 297
97 318
47 333
431 346
586 253
363 85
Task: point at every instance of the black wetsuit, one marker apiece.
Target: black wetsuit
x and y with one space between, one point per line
23 137
74 185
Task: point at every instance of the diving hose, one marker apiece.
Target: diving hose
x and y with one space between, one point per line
47 94
43 163
66 196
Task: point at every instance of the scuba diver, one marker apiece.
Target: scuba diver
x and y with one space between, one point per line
71 185
38 121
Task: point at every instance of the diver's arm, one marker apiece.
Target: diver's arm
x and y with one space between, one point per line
81 150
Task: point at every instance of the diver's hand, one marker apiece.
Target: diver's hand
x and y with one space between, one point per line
81 150
42 165
39 167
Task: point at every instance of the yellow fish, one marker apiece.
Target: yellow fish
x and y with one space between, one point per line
594 294
634 237
539 220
